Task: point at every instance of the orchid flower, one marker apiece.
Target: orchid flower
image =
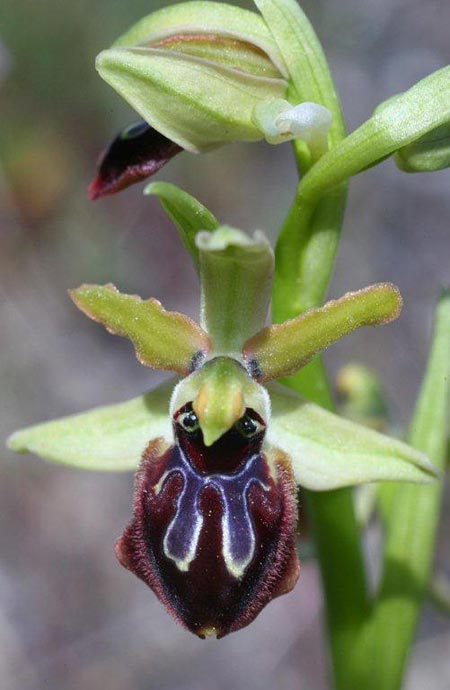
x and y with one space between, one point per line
200 74
220 450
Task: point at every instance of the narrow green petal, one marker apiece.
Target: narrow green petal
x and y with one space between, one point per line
236 274
110 438
162 339
282 349
188 214
329 452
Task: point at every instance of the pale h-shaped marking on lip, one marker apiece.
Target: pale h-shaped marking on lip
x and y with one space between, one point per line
238 536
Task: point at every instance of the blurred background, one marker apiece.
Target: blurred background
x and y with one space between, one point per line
70 617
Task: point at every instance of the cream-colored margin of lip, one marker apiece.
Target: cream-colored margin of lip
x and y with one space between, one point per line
182 564
237 568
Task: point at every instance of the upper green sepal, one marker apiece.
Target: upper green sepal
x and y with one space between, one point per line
162 339
188 214
236 273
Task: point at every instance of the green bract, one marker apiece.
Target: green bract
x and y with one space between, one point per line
412 123
236 275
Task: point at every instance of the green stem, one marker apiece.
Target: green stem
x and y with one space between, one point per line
305 256
411 514
336 537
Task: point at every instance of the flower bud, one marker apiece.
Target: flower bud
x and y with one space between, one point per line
196 72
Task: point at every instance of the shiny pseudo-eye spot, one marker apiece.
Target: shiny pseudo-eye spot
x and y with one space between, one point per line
189 421
249 427
134 130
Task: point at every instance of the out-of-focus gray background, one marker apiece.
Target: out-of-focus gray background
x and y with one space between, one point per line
70 617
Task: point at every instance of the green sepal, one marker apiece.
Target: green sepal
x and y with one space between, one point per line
202 17
236 273
110 438
282 349
328 452
162 339
188 214
427 154
397 123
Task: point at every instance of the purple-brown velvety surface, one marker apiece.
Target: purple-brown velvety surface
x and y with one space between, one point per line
231 531
136 153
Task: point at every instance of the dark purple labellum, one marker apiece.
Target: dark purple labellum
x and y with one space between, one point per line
136 153
213 532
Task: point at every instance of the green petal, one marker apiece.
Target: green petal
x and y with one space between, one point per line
328 452
162 339
188 214
282 349
110 438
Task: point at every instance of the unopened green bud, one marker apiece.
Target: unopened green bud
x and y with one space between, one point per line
196 72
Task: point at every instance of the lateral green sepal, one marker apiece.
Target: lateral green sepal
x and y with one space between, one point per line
236 273
162 339
110 438
328 452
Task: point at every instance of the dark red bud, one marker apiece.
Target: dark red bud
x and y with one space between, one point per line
136 153
214 544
